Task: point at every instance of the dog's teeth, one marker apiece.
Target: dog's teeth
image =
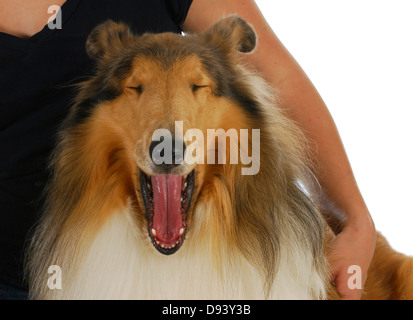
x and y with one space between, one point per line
162 246
182 199
181 231
157 242
173 246
153 232
177 242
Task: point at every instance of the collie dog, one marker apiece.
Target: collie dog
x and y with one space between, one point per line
119 224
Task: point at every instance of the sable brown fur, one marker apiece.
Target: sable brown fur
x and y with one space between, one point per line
263 227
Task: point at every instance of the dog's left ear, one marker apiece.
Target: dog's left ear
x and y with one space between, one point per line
107 39
235 31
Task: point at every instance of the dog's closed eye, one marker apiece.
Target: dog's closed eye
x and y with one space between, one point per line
195 87
138 89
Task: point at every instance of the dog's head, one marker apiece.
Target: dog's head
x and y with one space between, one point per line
163 93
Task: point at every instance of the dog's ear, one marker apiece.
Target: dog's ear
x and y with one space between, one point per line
107 39
235 31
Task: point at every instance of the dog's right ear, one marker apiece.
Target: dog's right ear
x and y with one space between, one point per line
107 39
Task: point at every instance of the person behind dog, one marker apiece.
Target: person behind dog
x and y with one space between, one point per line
39 60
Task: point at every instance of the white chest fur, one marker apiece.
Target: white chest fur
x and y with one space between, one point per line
119 265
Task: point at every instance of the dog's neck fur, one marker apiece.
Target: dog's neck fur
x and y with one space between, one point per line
120 265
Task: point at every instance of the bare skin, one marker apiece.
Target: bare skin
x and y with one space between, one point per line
355 244
25 18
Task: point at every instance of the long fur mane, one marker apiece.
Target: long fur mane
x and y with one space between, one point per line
251 236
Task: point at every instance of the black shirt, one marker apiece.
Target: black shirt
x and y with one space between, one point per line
36 75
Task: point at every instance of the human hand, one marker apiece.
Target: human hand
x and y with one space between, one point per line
354 246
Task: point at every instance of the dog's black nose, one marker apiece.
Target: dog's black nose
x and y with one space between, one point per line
167 153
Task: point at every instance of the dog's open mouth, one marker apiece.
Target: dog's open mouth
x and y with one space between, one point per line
167 199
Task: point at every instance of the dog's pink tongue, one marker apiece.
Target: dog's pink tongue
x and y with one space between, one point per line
167 217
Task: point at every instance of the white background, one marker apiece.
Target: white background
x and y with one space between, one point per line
359 55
